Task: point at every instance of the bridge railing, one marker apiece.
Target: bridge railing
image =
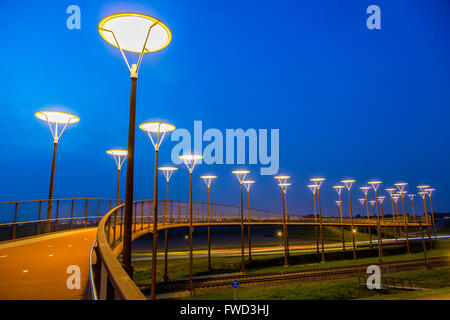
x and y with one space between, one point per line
27 218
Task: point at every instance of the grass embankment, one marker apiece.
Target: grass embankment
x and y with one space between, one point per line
274 263
436 281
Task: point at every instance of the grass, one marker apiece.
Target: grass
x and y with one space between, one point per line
437 280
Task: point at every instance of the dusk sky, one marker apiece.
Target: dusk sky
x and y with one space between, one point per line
349 102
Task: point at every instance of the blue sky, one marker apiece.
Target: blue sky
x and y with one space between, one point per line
349 102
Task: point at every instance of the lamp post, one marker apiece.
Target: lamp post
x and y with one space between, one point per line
167 171
247 184
190 160
411 197
318 182
423 195
429 192
362 201
391 191
365 190
53 119
119 157
401 191
240 174
380 201
158 130
313 189
208 179
339 203
375 185
284 186
133 32
348 184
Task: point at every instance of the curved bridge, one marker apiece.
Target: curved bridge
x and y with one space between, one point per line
81 237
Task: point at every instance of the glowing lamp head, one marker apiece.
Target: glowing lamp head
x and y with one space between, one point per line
401 185
119 156
318 182
208 179
247 184
167 171
129 31
240 174
190 160
284 186
312 187
430 191
57 117
348 183
156 131
375 184
422 188
338 189
365 190
361 200
381 199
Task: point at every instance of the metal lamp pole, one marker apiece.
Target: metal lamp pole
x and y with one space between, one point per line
240 174
391 194
318 182
313 189
423 195
159 130
190 160
348 184
429 192
339 203
53 118
401 188
167 171
247 185
365 190
375 185
113 28
284 186
208 180
119 157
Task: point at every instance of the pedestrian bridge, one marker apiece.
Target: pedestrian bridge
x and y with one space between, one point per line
83 235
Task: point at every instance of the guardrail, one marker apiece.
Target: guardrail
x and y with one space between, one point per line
110 281
27 218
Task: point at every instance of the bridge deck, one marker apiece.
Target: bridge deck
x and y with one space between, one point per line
35 268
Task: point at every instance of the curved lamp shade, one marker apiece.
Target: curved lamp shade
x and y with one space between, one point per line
157 127
117 152
128 32
57 117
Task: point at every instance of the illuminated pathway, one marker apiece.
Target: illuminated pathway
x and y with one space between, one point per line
35 268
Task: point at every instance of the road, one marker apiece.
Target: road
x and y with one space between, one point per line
35 268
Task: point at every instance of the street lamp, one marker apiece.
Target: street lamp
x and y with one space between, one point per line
313 189
429 192
133 32
53 119
240 174
247 185
208 179
156 132
401 191
423 195
119 157
391 192
348 184
411 197
375 185
380 201
365 190
190 160
284 186
318 182
362 201
339 203
167 171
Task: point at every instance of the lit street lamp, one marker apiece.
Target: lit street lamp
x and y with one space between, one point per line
158 130
247 185
167 171
339 203
380 201
401 191
411 197
429 192
240 174
365 190
133 32
119 157
423 195
208 179
348 184
375 185
53 119
391 192
318 182
284 186
313 189
190 160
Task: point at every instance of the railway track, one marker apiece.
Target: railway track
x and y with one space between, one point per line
309 274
